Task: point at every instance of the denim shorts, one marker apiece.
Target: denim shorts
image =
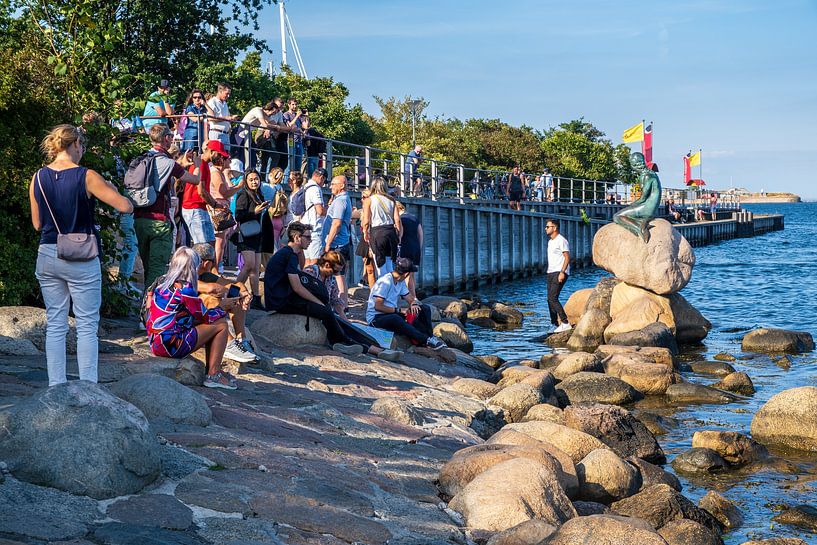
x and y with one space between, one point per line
199 225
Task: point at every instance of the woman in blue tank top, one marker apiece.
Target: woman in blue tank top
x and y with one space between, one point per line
63 195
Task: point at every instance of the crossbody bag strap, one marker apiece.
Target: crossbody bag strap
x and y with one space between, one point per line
39 183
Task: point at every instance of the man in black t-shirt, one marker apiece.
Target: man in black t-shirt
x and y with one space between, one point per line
313 147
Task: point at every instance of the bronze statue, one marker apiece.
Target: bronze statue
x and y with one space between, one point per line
636 217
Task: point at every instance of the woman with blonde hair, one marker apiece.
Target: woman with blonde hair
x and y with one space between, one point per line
381 226
63 199
179 323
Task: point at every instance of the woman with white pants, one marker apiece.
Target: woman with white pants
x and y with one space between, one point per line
63 197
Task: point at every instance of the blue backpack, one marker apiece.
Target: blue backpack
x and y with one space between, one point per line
297 204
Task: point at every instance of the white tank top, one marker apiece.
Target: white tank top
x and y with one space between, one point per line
382 210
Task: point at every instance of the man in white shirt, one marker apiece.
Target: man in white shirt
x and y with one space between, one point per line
217 107
260 116
314 215
557 273
383 310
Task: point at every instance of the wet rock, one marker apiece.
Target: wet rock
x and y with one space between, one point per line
597 387
467 463
589 331
494 361
516 400
28 323
690 325
699 460
576 303
505 314
190 372
652 474
615 427
717 368
544 412
777 340
783 362
663 265
776 541
510 493
723 356
479 313
79 438
647 378
486 323
152 510
575 443
688 532
551 361
577 362
17 347
788 419
659 504
802 516
735 448
604 477
398 410
739 383
687 392
448 305
722 509
616 531
633 308
161 398
656 334
474 387
288 331
645 354
587 508
559 340
658 425
530 532
454 336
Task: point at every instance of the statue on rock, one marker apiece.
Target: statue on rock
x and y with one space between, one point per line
636 217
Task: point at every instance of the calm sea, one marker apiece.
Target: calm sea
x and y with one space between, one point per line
769 281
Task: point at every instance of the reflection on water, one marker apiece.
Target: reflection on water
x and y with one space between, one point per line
769 281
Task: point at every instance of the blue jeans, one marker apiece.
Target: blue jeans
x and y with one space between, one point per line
311 166
296 154
65 284
129 247
193 138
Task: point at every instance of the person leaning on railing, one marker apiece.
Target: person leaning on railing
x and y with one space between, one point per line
219 128
260 116
195 110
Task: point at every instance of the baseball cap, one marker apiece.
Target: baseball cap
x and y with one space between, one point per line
321 172
218 147
164 84
405 265
237 165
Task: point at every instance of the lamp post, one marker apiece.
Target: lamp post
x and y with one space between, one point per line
414 104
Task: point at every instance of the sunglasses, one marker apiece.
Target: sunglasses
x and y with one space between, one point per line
198 97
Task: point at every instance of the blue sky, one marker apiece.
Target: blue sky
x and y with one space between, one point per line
735 78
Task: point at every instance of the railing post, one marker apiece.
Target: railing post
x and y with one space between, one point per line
434 181
357 173
461 183
328 160
571 190
367 161
403 181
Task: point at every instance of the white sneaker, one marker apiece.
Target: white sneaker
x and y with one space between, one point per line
435 343
390 355
348 349
236 352
563 327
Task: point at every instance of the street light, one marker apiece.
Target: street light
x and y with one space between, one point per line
414 104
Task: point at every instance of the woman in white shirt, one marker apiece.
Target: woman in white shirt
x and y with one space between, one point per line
381 226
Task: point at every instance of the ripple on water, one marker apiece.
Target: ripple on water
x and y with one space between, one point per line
768 281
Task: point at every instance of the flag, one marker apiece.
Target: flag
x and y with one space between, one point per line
634 133
695 159
687 170
646 145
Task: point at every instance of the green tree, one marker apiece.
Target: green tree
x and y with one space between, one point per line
577 149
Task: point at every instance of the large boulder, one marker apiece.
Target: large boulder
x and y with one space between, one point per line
656 334
469 462
648 378
450 306
17 347
687 392
545 412
801 516
289 331
530 532
575 443
474 387
510 493
734 447
660 504
515 400
738 382
688 532
652 474
604 477
505 314
29 323
162 398
663 265
589 331
788 419
597 387
722 509
615 531
78 437
632 308
576 304
454 336
775 341
577 362
616 428
646 354
690 325
699 460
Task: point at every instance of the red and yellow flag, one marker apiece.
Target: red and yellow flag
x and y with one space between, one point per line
634 134
695 159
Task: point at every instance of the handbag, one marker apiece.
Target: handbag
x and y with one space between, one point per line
71 246
250 228
222 219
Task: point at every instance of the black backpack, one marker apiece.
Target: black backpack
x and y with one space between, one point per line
140 184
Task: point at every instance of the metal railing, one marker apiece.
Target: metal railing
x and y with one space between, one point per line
697 198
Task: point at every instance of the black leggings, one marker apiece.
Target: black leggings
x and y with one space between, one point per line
295 304
557 312
383 241
419 331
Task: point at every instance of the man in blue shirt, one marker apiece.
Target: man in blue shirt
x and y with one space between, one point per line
158 104
339 235
413 160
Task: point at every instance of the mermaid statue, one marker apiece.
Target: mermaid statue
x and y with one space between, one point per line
636 217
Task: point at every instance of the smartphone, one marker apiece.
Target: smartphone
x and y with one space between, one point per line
233 292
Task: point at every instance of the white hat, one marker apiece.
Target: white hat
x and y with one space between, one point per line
237 165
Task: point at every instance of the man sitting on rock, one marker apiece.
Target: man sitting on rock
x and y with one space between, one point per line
215 291
285 292
384 310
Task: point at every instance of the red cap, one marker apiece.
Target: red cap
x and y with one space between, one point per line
218 147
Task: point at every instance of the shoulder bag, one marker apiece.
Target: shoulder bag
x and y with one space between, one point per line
71 246
250 228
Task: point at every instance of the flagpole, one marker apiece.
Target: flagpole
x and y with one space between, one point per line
700 165
643 141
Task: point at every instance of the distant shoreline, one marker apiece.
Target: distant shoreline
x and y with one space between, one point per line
758 198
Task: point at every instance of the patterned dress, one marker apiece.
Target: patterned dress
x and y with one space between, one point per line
171 325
